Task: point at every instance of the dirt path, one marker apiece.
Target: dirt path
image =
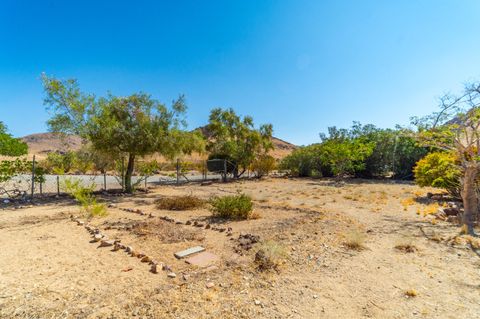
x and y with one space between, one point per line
49 268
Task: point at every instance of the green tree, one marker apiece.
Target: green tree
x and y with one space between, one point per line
9 145
132 126
455 129
344 153
236 139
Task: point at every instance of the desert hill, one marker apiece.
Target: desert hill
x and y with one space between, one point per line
40 144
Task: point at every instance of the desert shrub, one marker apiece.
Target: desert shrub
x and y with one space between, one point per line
179 203
84 196
270 255
438 169
59 163
232 207
299 162
263 165
355 240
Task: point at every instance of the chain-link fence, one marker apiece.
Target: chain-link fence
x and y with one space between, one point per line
26 185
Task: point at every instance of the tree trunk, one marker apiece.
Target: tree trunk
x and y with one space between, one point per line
469 197
129 172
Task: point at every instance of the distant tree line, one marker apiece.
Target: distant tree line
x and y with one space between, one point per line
360 151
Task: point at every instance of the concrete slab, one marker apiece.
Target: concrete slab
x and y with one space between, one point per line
189 251
202 260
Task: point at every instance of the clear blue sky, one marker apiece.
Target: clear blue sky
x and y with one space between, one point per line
300 65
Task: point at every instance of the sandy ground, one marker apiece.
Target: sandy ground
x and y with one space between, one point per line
50 269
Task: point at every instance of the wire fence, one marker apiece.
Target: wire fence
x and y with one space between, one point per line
26 186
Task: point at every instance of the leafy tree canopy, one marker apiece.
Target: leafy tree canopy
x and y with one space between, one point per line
130 126
236 138
9 145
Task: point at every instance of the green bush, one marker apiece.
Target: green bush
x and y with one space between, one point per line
232 207
84 196
361 151
263 165
438 169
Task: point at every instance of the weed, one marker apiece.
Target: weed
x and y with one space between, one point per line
84 196
355 240
179 203
270 256
232 207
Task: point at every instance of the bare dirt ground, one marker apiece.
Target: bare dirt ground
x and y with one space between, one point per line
50 269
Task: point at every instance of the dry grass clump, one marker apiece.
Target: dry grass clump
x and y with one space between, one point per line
166 232
179 203
233 207
410 293
355 240
406 247
270 256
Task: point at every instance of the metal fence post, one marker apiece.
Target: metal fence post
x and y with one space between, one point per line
105 181
33 176
123 173
58 185
224 170
146 177
178 171
205 168
41 189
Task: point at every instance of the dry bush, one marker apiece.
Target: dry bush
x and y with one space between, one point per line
355 240
179 203
270 256
167 232
406 247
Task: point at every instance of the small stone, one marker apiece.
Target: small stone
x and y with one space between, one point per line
188 222
129 249
166 268
315 296
257 303
207 226
172 275
146 259
106 243
97 237
210 284
186 277
80 223
154 268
